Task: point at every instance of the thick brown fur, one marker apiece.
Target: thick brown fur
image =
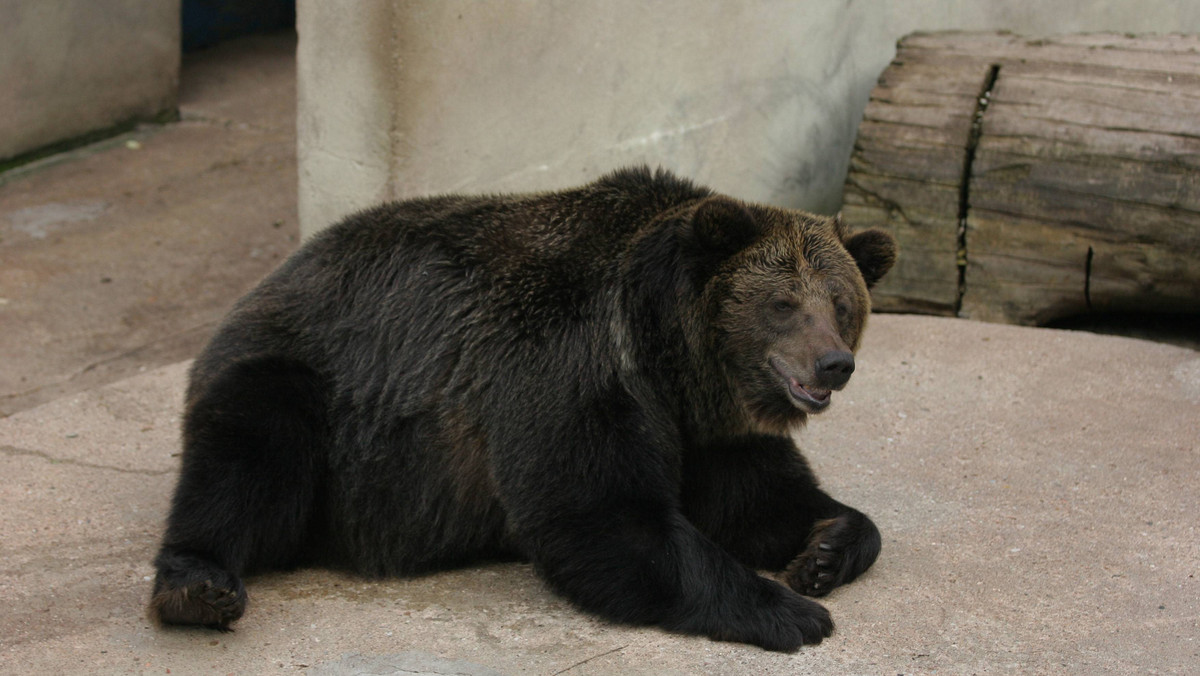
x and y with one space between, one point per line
602 380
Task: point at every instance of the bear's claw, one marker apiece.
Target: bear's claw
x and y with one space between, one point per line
839 549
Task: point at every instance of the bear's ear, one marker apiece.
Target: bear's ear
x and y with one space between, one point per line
723 226
874 251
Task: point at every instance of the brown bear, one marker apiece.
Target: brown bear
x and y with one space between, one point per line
603 381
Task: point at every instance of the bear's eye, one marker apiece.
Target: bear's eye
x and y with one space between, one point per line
783 306
842 310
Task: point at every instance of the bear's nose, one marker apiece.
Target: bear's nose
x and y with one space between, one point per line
834 368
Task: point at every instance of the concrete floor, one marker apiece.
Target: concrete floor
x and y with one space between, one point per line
1038 490
124 255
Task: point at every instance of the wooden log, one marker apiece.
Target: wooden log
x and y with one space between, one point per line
1077 175
906 171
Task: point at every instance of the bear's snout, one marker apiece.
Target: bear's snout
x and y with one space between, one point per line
833 369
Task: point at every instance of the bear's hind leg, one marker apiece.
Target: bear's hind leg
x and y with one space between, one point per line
252 445
192 590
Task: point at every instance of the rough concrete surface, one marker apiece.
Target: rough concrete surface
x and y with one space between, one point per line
1036 489
127 253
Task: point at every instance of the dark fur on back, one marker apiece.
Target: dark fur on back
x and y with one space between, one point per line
602 380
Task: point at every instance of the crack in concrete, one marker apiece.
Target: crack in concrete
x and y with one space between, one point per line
13 451
593 657
130 353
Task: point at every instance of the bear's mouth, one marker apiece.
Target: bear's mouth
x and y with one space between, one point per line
810 398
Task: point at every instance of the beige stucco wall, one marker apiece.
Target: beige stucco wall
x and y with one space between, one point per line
759 99
69 67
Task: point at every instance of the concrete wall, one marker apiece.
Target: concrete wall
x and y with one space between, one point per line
759 99
70 67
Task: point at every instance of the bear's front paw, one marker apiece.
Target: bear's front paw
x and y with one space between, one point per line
804 623
784 622
765 614
839 550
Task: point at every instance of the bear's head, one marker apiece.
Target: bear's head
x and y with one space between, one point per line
784 300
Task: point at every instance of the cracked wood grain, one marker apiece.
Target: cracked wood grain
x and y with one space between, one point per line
1074 174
